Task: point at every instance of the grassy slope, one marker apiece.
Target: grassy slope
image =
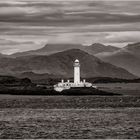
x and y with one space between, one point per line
68 102
43 123
132 89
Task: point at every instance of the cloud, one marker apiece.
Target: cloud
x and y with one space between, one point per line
29 24
11 45
66 13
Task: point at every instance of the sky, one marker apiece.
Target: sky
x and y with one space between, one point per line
31 24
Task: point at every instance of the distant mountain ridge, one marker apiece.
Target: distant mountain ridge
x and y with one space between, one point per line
48 49
99 48
127 58
55 48
133 48
49 60
62 64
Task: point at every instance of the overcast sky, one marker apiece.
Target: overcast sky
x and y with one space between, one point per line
30 24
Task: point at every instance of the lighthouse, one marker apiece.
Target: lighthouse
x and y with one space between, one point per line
76 84
76 71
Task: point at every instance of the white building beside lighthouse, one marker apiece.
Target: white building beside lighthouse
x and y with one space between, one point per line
77 83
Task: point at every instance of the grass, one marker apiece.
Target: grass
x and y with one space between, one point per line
132 89
69 123
68 102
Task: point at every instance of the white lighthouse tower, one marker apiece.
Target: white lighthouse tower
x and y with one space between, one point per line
76 71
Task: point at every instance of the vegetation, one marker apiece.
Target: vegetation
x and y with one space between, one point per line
10 80
70 117
69 102
69 124
112 80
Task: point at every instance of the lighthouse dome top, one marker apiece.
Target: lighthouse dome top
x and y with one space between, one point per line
76 61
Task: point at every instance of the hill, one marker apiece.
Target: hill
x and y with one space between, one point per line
99 48
11 80
44 78
127 58
48 49
62 64
55 48
134 49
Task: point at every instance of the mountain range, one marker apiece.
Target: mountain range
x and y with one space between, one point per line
128 58
60 64
56 60
55 48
